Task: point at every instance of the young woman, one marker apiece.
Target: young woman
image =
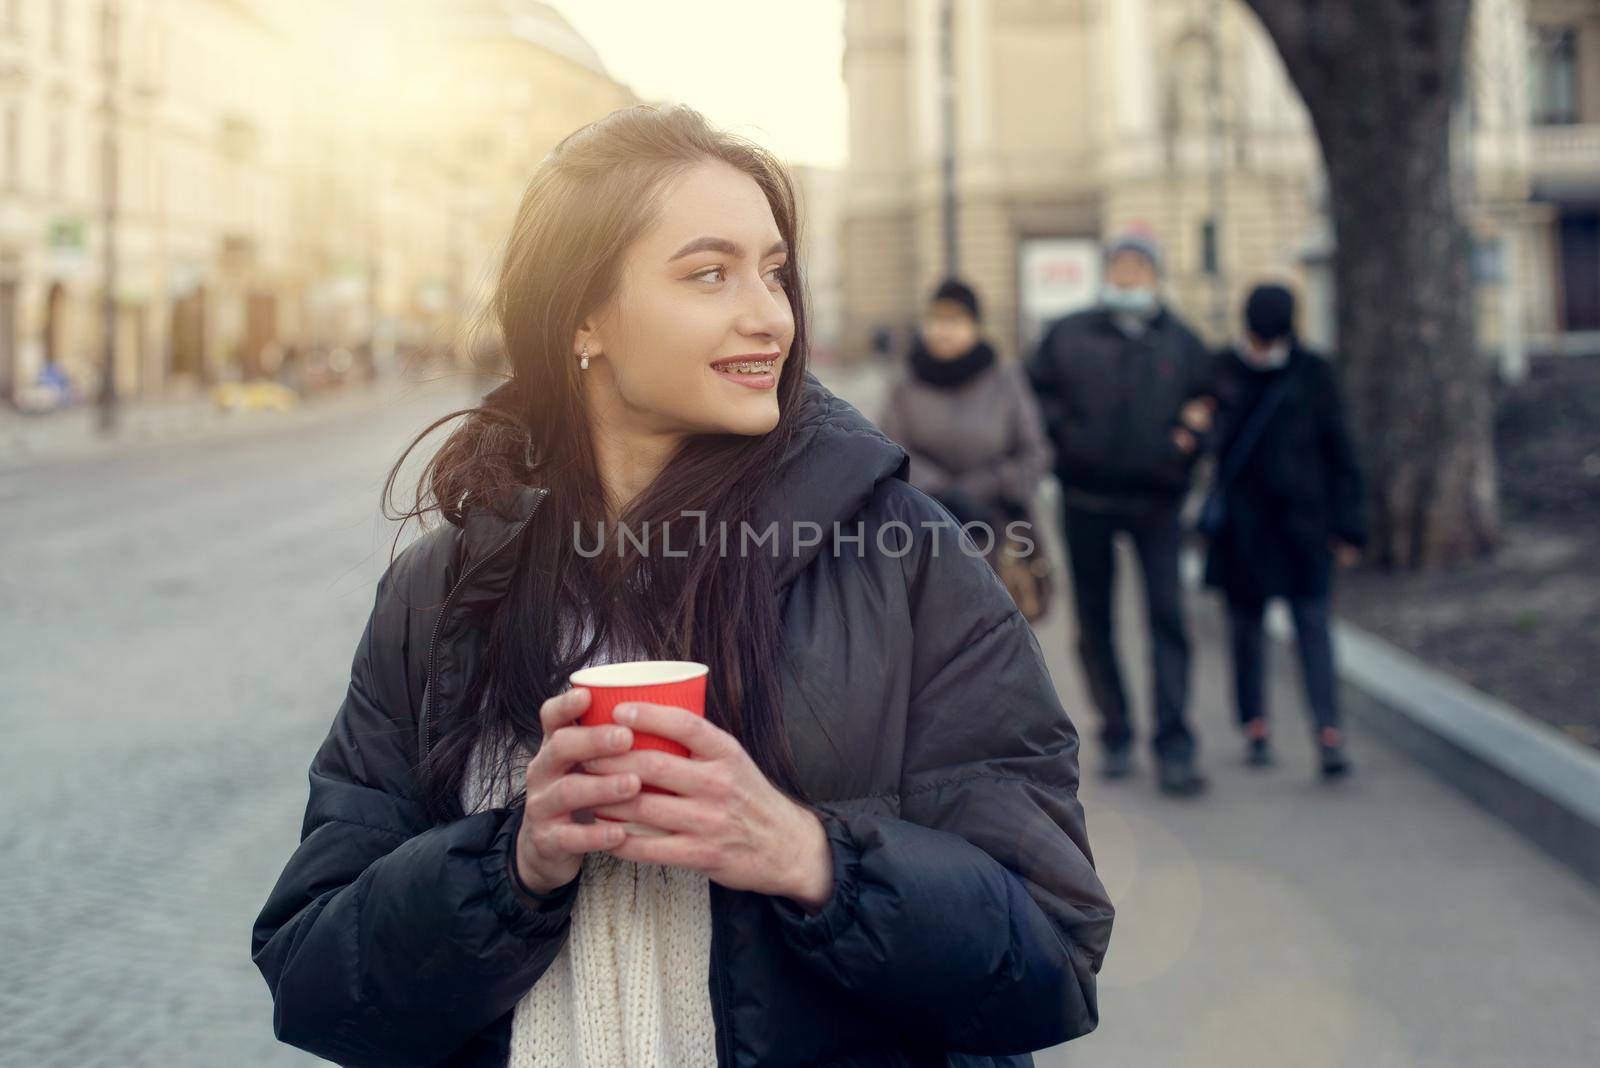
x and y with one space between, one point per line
875 854
1293 509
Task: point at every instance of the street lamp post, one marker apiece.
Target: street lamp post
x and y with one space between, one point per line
1216 189
108 376
947 126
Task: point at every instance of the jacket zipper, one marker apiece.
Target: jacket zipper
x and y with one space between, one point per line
438 624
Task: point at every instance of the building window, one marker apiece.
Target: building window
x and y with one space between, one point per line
1555 75
238 138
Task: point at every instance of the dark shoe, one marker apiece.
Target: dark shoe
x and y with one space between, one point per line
1179 778
1331 745
1118 763
1258 747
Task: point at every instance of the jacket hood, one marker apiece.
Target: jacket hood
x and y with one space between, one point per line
832 467
833 464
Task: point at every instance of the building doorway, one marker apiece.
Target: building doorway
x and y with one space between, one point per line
55 324
189 336
260 330
8 341
1580 271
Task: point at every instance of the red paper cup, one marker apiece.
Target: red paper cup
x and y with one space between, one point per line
678 683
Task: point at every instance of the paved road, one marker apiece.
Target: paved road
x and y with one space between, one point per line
177 631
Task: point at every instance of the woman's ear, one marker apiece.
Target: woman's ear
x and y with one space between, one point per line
591 332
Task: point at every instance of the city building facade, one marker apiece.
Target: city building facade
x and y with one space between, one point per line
290 176
1074 119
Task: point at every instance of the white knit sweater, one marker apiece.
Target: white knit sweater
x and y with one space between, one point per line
630 987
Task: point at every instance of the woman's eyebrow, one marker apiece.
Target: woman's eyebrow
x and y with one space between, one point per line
724 246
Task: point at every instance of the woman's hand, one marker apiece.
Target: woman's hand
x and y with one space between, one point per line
550 844
727 821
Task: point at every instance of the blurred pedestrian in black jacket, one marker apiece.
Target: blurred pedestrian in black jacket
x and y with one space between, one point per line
1120 387
1292 510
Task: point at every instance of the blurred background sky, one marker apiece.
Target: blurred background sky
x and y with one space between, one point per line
771 70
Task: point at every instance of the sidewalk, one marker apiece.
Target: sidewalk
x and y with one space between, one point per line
1283 921
27 439
1278 920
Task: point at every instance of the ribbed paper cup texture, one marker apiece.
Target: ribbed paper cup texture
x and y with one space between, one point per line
676 683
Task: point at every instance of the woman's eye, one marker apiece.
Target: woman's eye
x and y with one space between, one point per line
718 274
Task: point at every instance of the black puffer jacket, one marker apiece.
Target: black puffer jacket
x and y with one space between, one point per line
1110 403
967 921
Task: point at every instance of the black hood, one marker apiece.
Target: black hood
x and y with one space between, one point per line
831 469
833 465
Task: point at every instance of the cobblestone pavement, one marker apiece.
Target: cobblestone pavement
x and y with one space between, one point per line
177 634
177 631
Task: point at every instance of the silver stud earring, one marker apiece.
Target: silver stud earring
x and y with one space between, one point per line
583 358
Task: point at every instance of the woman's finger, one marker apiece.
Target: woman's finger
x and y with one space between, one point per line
573 792
680 815
700 737
574 745
674 850
562 709
556 838
669 771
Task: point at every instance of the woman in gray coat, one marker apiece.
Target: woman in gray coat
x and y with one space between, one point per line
970 423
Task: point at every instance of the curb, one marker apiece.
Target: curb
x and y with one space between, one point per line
1522 771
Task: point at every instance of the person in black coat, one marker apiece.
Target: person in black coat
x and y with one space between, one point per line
1122 389
1291 512
882 796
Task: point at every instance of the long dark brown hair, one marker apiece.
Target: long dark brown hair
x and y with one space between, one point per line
587 202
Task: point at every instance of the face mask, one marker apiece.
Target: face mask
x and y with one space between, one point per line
1271 358
1138 300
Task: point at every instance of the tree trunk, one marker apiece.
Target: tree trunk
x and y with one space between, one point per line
1379 78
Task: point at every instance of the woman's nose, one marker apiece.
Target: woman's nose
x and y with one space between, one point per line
765 313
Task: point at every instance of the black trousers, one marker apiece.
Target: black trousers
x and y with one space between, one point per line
1316 658
1158 538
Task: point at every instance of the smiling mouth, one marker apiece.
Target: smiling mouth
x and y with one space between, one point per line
746 366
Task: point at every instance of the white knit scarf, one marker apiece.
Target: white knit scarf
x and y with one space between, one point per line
630 987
